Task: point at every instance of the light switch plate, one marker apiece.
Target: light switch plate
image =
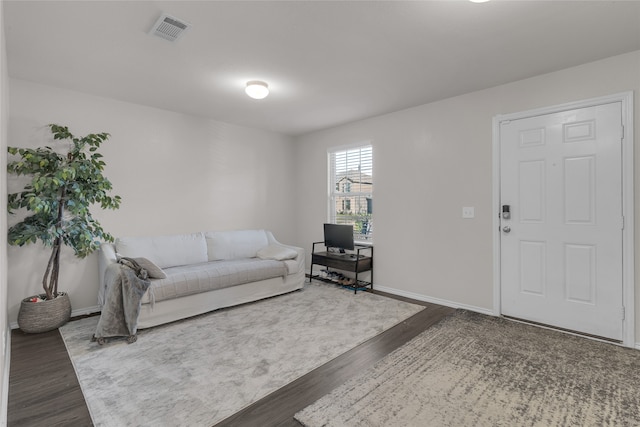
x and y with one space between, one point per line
468 212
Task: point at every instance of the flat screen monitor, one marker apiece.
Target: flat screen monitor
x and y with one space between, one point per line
338 236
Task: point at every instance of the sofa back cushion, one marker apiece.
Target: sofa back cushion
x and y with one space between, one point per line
165 251
225 245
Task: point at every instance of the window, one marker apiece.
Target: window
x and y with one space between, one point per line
351 184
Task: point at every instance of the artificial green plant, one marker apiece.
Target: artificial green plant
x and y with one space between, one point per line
61 190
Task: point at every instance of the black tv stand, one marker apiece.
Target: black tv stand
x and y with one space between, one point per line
351 262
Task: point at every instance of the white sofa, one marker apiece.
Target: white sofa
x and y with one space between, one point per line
206 271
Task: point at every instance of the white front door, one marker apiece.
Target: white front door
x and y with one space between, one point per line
561 247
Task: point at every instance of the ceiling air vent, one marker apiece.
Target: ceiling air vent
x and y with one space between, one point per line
169 28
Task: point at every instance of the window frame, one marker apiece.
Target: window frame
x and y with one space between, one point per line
334 188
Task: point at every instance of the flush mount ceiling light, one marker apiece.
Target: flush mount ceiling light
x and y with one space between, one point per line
478 1
257 89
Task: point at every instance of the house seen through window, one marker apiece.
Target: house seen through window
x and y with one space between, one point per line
351 184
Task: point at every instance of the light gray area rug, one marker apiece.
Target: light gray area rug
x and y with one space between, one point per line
201 370
476 370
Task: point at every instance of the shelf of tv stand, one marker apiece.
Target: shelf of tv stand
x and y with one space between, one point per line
354 263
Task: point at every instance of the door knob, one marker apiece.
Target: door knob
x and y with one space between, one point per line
506 229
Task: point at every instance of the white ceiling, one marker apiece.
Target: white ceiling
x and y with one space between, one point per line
327 62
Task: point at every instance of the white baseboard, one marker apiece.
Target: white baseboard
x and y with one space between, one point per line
433 300
79 312
4 406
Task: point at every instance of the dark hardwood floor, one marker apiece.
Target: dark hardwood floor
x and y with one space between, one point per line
44 391
43 388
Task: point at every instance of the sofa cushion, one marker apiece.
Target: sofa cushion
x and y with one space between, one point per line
226 245
165 251
197 278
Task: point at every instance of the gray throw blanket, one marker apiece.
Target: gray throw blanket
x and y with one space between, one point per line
126 283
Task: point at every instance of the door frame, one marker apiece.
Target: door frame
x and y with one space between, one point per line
628 250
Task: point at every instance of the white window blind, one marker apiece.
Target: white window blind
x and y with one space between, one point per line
351 189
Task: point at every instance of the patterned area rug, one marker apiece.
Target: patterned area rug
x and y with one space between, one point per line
199 371
476 370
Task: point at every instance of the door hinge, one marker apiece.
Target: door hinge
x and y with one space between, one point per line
622 222
621 132
623 313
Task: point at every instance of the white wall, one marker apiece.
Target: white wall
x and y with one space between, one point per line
432 160
175 173
5 335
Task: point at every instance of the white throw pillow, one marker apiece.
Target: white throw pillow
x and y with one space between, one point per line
235 244
277 252
165 251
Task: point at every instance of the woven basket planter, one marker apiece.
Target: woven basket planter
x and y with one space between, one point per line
43 316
